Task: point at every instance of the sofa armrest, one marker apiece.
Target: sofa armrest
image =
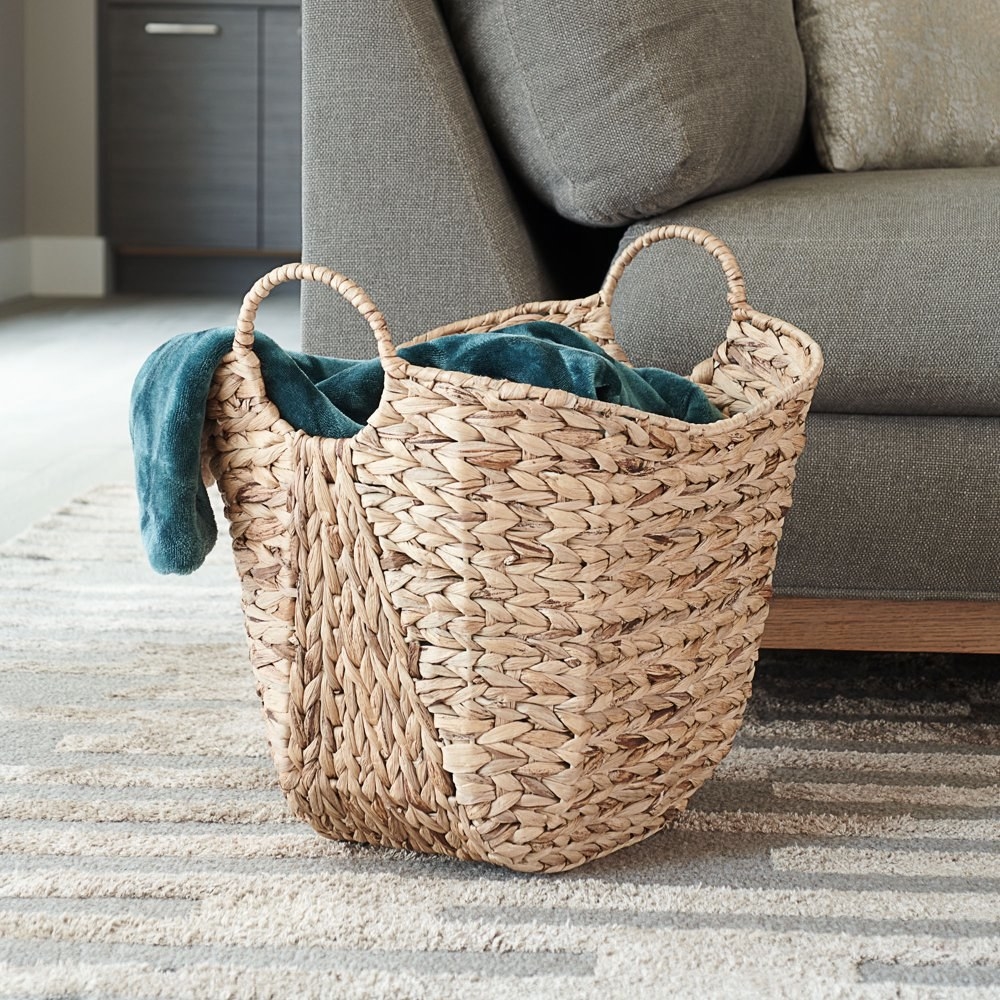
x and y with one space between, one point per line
402 190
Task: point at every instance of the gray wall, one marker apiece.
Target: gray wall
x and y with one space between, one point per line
12 160
48 117
61 121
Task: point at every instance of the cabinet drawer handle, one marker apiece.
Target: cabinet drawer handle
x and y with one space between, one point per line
165 28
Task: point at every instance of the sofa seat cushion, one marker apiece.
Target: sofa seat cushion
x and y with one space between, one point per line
893 508
895 273
614 111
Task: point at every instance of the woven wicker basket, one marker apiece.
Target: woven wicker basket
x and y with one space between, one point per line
503 622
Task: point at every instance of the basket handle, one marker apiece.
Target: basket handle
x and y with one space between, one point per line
737 297
352 292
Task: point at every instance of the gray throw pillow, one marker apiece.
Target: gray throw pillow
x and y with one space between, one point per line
614 110
903 84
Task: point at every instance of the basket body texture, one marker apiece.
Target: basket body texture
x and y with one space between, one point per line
502 622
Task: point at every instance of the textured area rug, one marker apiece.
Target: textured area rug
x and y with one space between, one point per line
848 847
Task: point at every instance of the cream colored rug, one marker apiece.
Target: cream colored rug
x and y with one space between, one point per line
848 847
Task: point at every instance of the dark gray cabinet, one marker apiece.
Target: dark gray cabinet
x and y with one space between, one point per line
281 130
201 137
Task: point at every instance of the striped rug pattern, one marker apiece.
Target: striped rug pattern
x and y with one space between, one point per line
848 847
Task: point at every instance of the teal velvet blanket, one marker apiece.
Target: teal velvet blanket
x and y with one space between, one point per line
329 397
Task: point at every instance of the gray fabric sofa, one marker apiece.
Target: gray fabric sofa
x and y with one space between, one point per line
453 156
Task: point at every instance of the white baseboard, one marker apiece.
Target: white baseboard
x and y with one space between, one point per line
15 268
68 265
53 265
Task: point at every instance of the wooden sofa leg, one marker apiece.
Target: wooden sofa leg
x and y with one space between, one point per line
896 626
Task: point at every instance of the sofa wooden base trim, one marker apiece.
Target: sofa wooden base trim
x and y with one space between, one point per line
899 626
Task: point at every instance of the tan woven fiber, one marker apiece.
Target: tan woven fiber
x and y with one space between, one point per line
503 622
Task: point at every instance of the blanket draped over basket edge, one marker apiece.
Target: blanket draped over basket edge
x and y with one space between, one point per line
330 397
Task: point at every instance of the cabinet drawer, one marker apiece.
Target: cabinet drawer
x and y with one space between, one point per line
281 131
181 126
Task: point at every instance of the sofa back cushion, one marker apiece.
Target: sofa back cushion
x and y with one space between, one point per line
614 110
903 84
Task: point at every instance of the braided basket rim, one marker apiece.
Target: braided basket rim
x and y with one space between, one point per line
429 376
400 369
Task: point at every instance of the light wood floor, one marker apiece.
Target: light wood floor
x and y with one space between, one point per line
66 372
